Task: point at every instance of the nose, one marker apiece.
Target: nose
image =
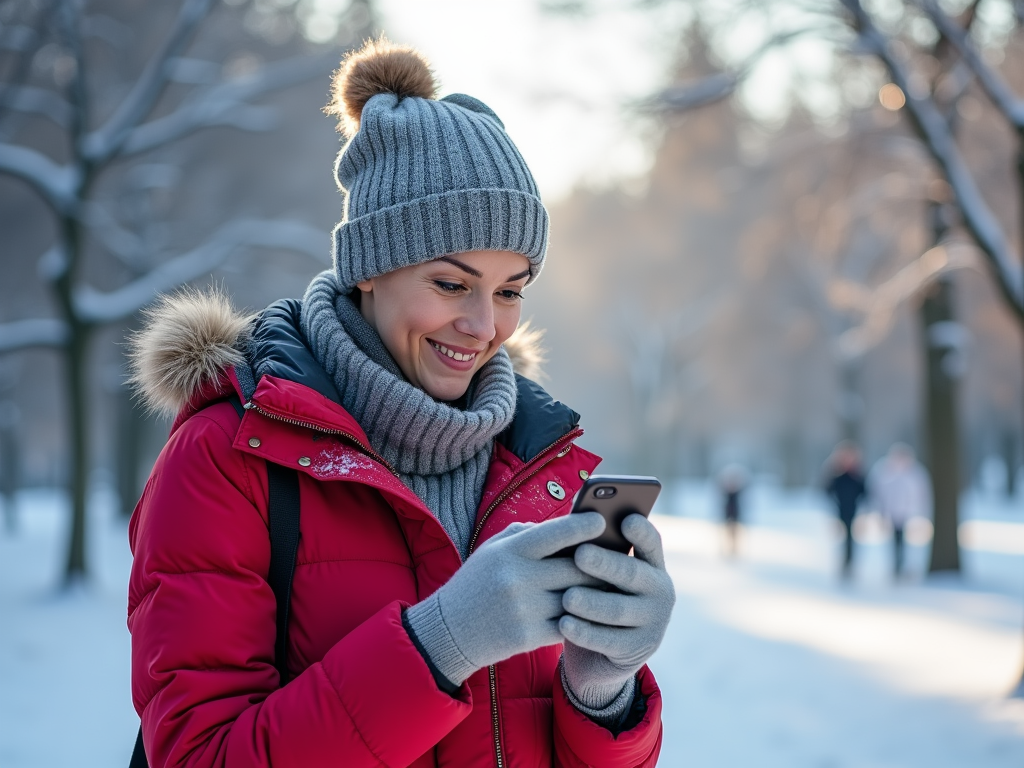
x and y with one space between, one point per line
477 319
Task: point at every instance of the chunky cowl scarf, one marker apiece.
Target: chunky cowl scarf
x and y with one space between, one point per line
440 451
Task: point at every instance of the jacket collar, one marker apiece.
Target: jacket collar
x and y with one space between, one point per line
278 357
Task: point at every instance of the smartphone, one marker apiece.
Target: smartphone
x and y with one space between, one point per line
615 497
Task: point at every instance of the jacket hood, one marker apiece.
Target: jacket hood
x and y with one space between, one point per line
190 338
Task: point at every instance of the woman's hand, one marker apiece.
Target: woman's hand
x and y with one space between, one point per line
610 635
505 599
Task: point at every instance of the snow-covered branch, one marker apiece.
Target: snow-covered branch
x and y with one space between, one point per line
124 244
107 29
721 85
225 103
106 141
38 101
189 71
991 81
94 306
708 90
878 305
979 219
54 182
25 334
17 37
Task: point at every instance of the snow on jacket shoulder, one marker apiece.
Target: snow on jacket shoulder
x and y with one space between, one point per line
202 616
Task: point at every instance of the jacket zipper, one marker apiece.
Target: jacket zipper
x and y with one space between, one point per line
254 406
492 673
493 676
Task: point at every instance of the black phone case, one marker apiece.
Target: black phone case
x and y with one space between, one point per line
633 494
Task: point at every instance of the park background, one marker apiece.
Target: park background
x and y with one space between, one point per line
775 225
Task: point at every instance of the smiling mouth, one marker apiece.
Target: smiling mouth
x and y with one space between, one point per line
451 353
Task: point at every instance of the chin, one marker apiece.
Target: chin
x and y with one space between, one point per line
446 390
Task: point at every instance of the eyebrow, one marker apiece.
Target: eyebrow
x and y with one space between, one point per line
476 273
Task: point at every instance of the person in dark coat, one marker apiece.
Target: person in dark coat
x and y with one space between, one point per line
846 487
732 481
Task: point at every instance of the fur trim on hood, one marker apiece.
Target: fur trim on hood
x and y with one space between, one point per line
190 337
526 352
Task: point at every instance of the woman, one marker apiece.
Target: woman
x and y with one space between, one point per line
428 626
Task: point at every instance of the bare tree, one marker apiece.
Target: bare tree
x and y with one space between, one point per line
141 122
932 116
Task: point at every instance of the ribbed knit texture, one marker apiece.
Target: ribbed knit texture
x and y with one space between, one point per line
427 620
607 708
441 452
425 178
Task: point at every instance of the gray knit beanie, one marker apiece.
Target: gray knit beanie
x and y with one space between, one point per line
422 177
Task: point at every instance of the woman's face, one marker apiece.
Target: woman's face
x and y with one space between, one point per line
444 319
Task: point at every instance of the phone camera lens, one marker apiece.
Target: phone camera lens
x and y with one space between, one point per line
604 492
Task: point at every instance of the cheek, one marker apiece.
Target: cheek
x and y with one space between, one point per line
417 316
506 320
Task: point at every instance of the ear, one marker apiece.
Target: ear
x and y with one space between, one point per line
366 286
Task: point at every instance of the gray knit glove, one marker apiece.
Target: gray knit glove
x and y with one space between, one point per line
505 599
610 635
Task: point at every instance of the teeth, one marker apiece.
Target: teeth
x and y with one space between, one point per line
454 355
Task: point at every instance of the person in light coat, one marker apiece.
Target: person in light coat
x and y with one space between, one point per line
899 488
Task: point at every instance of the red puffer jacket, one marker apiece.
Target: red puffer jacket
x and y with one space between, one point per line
202 616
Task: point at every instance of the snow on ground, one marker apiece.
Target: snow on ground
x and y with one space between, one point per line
770 661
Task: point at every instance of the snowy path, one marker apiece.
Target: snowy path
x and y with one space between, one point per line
769 662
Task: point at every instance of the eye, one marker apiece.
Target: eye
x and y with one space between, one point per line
510 294
448 287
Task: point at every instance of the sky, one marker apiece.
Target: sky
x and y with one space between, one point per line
568 85
563 85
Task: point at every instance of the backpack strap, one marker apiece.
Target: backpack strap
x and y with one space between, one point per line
283 510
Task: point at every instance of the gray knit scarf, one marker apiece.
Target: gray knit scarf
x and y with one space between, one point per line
441 452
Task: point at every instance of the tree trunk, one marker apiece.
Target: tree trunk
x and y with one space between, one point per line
9 466
1008 449
851 404
792 459
130 428
1018 692
942 433
76 360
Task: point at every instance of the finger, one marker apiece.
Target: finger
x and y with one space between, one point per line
609 608
612 642
617 569
549 607
646 541
550 634
547 538
559 573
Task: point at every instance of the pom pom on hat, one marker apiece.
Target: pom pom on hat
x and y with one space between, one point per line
379 66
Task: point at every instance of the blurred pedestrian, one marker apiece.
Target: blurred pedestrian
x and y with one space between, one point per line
899 488
847 488
732 481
